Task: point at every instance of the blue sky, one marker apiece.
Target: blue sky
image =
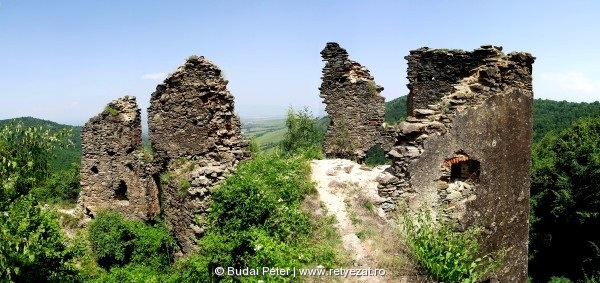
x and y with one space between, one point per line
64 60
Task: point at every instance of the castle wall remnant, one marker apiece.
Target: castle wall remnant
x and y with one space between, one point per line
465 149
197 142
353 103
197 139
113 172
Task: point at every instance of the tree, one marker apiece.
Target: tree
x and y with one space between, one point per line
24 157
31 243
565 193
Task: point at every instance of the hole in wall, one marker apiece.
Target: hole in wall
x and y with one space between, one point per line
94 169
461 168
376 156
121 192
129 166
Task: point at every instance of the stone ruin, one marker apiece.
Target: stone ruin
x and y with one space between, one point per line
353 103
113 171
197 142
464 151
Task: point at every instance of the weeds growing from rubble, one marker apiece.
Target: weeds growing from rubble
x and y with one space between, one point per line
447 255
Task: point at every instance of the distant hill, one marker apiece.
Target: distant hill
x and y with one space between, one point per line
63 157
550 115
395 110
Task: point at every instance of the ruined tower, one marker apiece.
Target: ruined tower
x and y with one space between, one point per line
465 149
114 173
353 103
198 142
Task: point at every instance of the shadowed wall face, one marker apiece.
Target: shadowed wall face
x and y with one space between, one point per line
353 103
465 148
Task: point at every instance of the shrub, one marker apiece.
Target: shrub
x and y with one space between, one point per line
117 241
555 279
135 273
32 245
447 255
255 220
183 186
254 146
302 133
111 111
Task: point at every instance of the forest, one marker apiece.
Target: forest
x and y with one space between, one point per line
41 240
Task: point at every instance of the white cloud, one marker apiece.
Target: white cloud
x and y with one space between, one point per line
575 82
154 76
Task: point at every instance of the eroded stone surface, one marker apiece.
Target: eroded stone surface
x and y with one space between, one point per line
353 103
197 139
114 173
465 148
197 142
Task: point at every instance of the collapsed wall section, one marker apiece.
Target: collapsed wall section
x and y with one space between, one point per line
197 140
114 174
353 103
465 149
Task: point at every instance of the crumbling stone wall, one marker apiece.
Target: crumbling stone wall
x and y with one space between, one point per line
465 149
197 138
114 173
197 142
353 103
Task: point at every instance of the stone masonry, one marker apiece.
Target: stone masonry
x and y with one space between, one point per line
114 173
353 103
465 149
197 138
197 142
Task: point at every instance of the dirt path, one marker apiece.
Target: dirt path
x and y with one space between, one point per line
338 182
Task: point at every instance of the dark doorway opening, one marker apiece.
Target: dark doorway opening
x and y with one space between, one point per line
121 192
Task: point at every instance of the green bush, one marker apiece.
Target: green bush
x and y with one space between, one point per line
254 146
136 273
255 220
303 134
117 241
32 245
555 279
447 255
111 111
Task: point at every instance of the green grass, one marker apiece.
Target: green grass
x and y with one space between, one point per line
270 139
260 127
